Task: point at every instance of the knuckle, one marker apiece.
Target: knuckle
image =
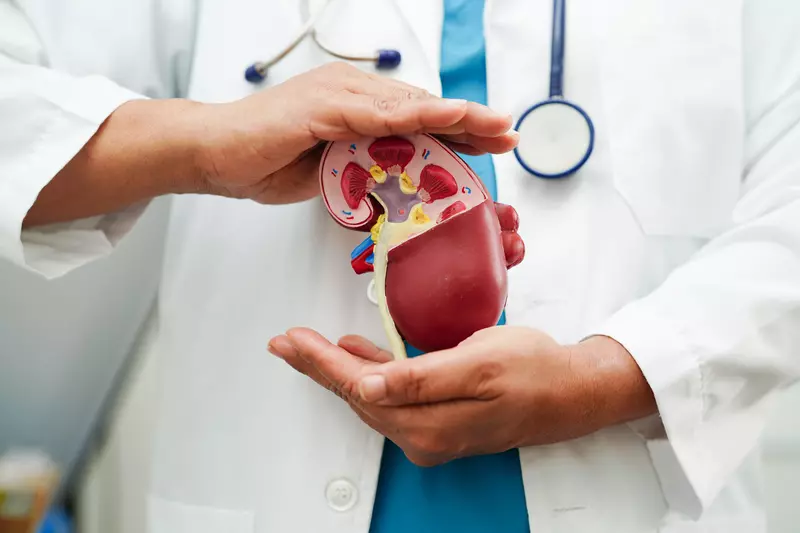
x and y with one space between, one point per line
386 106
427 444
490 370
339 67
414 384
421 460
349 390
486 376
408 93
417 93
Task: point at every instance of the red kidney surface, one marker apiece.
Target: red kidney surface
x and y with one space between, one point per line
447 282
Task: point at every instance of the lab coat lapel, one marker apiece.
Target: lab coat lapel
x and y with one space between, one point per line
425 18
414 27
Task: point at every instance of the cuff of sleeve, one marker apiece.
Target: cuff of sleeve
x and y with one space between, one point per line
55 250
672 370
54 128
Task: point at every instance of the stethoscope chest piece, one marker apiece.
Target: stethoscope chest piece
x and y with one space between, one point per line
556 139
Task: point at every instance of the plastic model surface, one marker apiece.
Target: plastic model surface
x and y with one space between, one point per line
434 245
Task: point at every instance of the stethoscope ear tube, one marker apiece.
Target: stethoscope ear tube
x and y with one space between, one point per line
383 59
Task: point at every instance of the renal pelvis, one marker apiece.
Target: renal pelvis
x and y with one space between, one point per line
434 242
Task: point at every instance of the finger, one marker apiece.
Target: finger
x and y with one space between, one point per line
296 182
348 115
441 432
455 129
464 372
365 349
281 347
373 423
485 122
462 148
493 145
508 217
373 84
482 336
336 364
480 121
514 248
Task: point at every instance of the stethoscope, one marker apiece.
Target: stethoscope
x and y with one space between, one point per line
383 59
556 136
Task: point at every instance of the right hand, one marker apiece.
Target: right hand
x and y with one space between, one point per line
267 147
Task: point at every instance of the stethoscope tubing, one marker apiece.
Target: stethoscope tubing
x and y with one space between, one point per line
557 50
307 28
389 59
383 59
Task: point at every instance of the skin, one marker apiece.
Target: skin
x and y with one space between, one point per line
265 147
503 388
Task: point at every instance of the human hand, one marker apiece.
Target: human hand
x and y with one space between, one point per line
503 388
267 146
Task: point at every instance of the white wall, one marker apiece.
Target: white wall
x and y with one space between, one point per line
63 342
782 465
113 492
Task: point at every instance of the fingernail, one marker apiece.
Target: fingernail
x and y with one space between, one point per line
488 111
372 388
514 134
271 349
283 346
454 102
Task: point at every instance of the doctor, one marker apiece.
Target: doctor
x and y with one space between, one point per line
674 252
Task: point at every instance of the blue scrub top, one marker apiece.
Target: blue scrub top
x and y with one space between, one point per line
477 494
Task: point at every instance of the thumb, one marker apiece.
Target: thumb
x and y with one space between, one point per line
460 373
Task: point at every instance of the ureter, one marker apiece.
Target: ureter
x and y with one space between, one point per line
396 345
390 235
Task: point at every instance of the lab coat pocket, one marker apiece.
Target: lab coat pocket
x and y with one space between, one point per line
672 83
166 516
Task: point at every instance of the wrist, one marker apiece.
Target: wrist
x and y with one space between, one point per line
619 392
169 135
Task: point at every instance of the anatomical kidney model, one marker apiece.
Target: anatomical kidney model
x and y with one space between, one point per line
435 242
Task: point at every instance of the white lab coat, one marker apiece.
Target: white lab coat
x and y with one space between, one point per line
680 238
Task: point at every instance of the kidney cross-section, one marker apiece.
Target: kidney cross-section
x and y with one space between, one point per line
434 243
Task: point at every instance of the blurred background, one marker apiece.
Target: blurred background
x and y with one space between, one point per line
90 405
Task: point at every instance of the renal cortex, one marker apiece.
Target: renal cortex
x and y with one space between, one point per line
434 241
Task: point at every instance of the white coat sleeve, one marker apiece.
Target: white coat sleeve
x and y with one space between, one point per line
47 117
720 337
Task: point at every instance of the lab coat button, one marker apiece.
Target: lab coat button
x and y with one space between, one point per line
341 494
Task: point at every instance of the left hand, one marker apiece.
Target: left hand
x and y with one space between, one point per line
503 388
